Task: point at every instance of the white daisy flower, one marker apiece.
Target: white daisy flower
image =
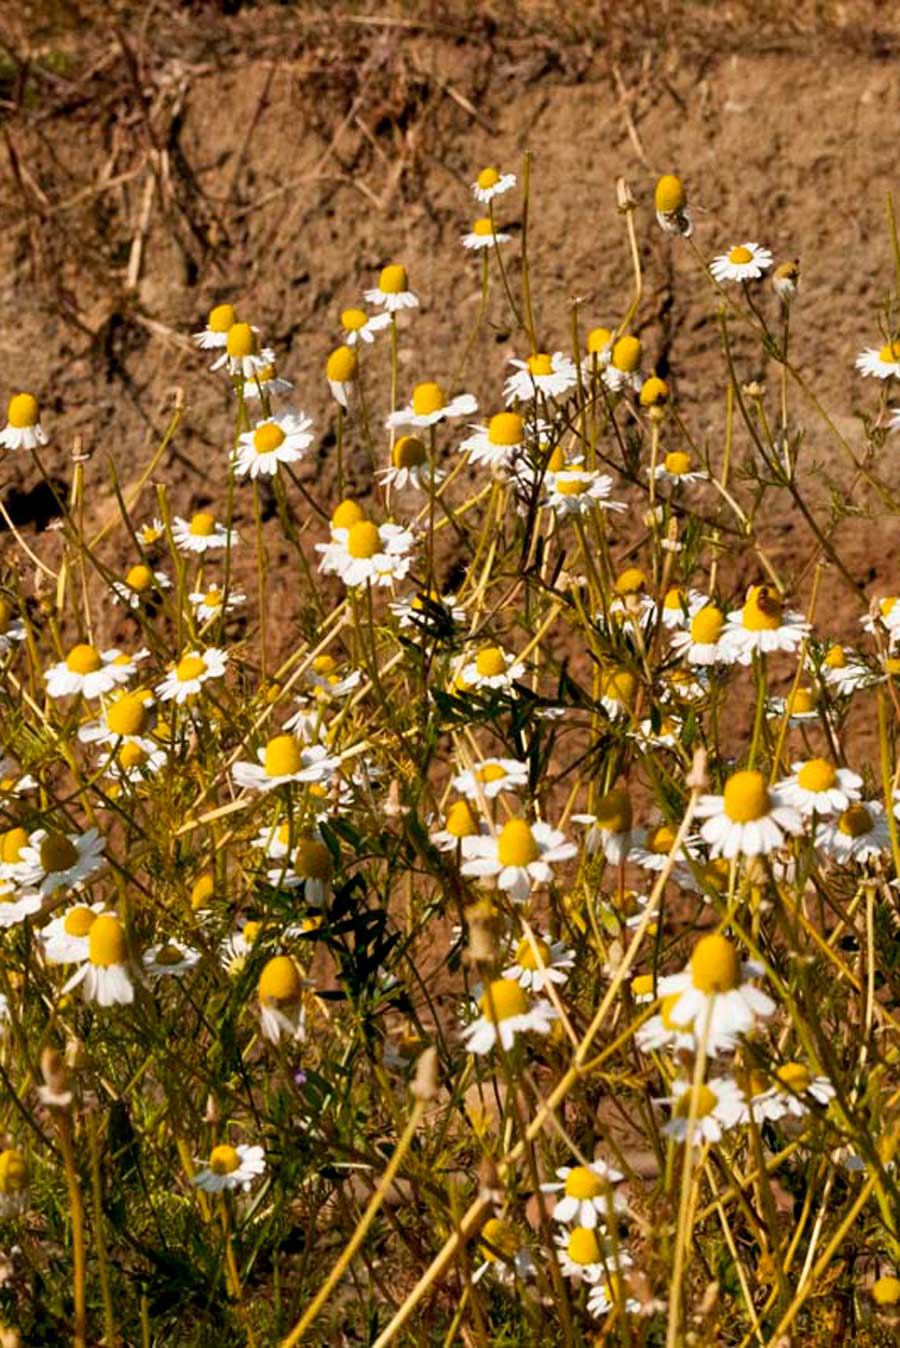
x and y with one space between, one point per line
715 995
880 363
492 183
23 429
274 841
264 381
11 628
588 1197
540 962
308 863
718 1106
230 1168
490 777
818 787
358 326
586 1255
504 1254
126 719
484 235
761 627
104 976
677 468
886 617
654 853
550 376
665 736
679 606
151 533
377 554
65 938
90 672
576 491
392 292
135 761
860 833
744 262
215 334
235 948
842 676
623 370
802 706
460 822
241 355
188 676
790 1094
56 861
323 677
429 405
202 533
662 1032
505 1012
618 690
520 857
491 668
171 958
16 904
284 760
785 279
699 643
140 585
409 466
342 373
281 439
212 603
670 203
281 1009
497 443
429 614
750 819
611 830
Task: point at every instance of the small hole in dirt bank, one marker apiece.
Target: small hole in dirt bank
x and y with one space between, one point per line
37 506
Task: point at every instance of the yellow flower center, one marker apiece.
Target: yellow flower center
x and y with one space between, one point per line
241 341
556 463
128 715
677 462
614 812
13 1171
223 1160
14 840
661 840
501 1236
490 662
169 954
674 600
886 1291
213 598
58 853
283 756
582 1182
889 354
408 452
503 999
740 255
346 515
642 985
533 956
571 486
491 772
342 365
668 195
251 932
654 392
324 664
78 921
353 319
83 659
280 981
630 581
131 756
835 658
715 965
583 1246
626 354
312 859
190 667
706 1102
22 411
746 797
667 1006
202 890
619 685
763 610
363 539
516 844
460 821
268 437
222 318
540 363
487 178
794 1076
203 525
598 340
428 398
856 821
706 625
106 941
506 429
801 702
393 280
483 227
817 775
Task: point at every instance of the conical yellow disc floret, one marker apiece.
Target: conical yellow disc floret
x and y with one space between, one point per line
22 411
490 662
598 340
189 667
661 840
669 195
890 353
343 364
428 398
620 685
78 921
739 255
483 227
582 1182
666 1007
614 811
677 462
817 775
706 1102
202 890
540 363
460 821
106 941
856 821
642 985
283 756
835 658
631 581
571 486
203 524
715 965
128 715
886 1291
83 659
13 1171
168 955
223 1160
268 437
674 599
746 797
139 578
763 610
501 1237
14 839
488 178
506 428
363 539
654 392
583 1246
491 772
794 1076
516 844
312 859
241 341
408 452
280 981
251 931
222 318
346 515
502 1000
801 702
533 955
58 853
626 354
353 319
706 625
393 280
131 755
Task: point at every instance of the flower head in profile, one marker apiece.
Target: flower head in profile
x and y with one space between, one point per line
104 977
281 1008
793 1092
358 326
715 994
699 642
859 833
491 776
23 429
491 183
202 533
761 627
220 320
506 1011
586 1254
284 760
503 1253
518 858
392 292
880 362
492 668
14 1179
230 1168
484 234
140 585
409 466
498 443
367 553
610 828
429 404
577 491
65 937
749 819
743 262
214 602
342 373
670 202
169 959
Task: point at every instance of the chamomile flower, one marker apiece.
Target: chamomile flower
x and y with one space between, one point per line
793 1090
506 1011
663 1032
358 326
11 628
717 1106
492 668
880 362
818 787
842 676
654 853
679 606
186 678
497 443
55 862
432 614
16 904
492 183
761 627
281 1008
241 355
202 533
409 466
140 585
283 760
677 468
265 381
885 614
490 777
134 762
670 202
392 292
743 262
367 553
859 833
170 959
600 342
429 405
618 691
801 707
212 603
540 962
624 368
308 863
281 439
218 323
611 829
342 373
65 938
460 822
23 429
541 374
325 681
128 717
715 994
521 856
90 672
588 1195
483 234
104 976
585 1255
577 491
749 819
503 1253
785 278
699 644
230 1168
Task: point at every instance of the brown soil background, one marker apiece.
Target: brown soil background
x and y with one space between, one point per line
163 158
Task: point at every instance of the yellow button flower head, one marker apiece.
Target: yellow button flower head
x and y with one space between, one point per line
23 428
886 1291
281 999
599 342
491 183
220 320
670 201
392 292
654 393
626 354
